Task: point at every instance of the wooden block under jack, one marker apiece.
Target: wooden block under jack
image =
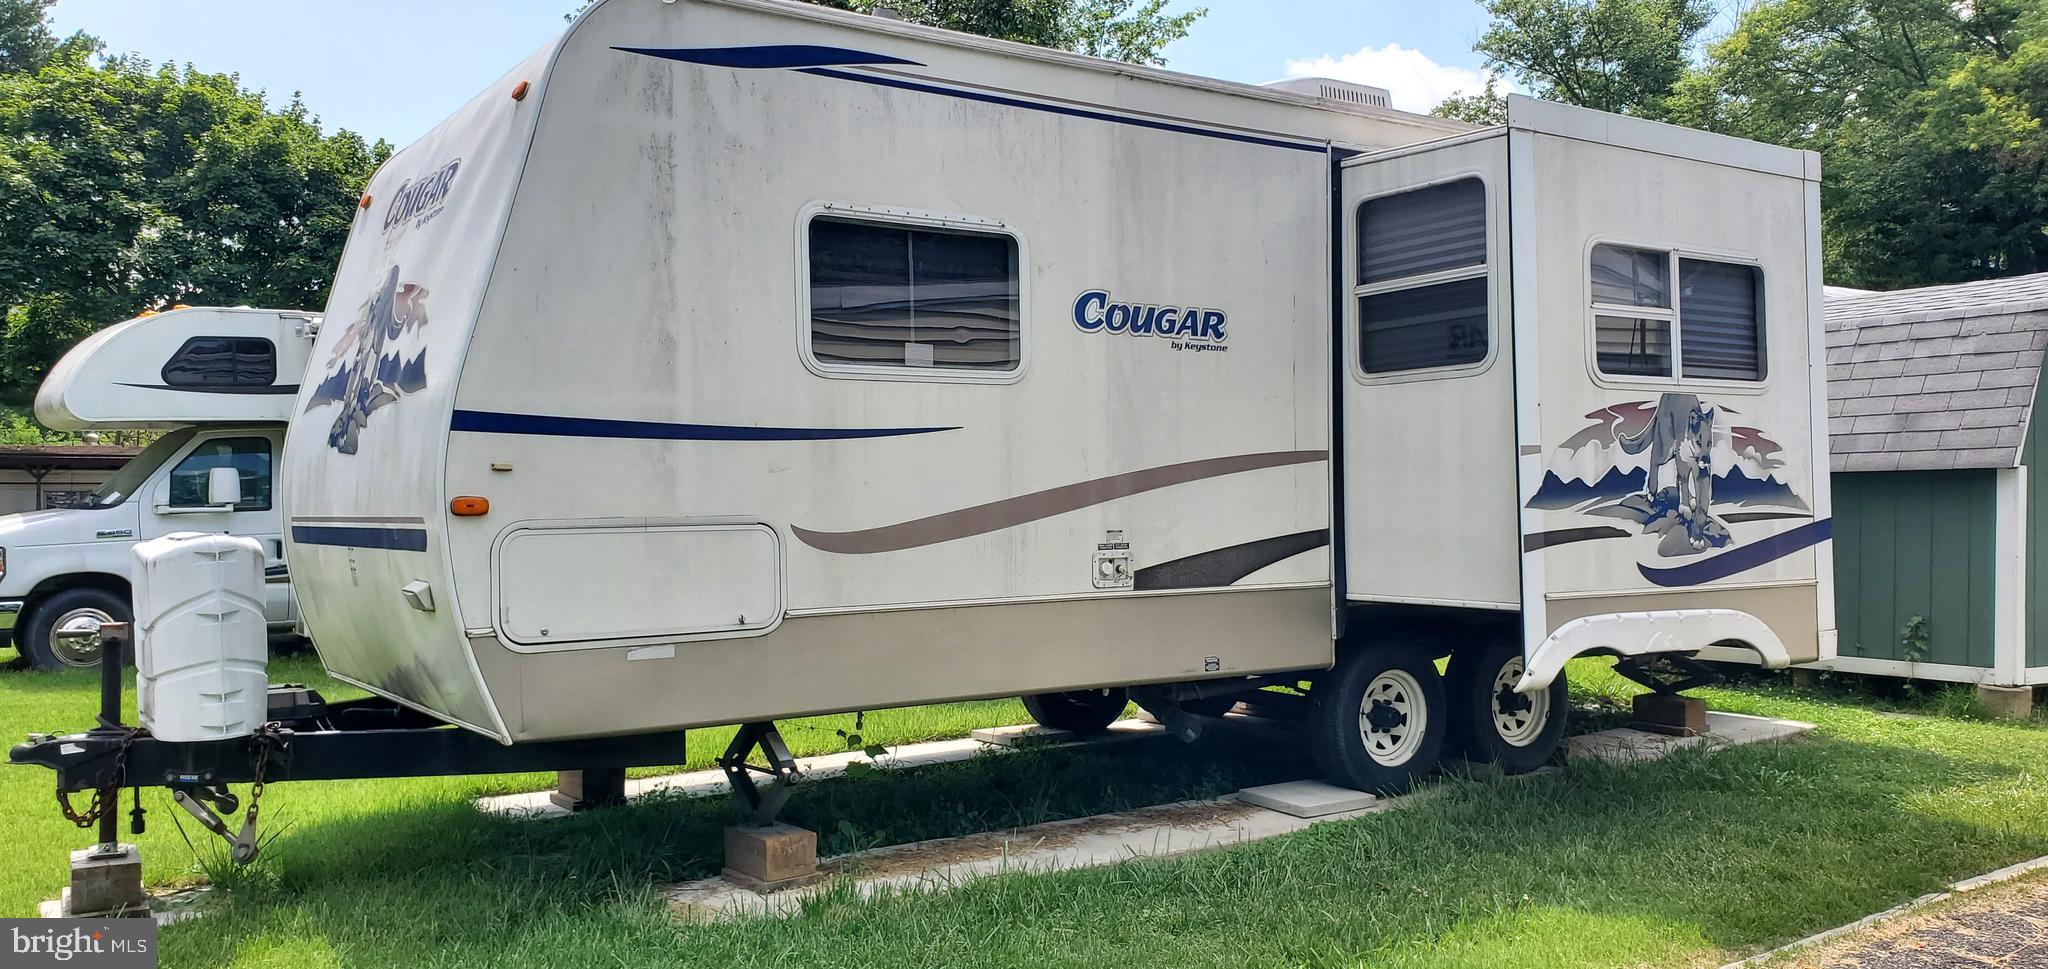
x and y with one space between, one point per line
771 857
581 790
1670 713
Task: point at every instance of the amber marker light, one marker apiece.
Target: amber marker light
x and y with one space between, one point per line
469 506
365 203
519 91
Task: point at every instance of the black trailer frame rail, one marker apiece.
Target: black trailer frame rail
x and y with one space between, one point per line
304 738
94 761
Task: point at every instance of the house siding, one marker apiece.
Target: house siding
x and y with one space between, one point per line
1916 543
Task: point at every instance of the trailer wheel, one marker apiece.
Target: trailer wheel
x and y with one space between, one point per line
1490 722
1377 721
67 609
1081 711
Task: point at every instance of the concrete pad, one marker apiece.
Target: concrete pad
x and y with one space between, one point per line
1307 799
1160 831
166 907
704 783
1154 832
1627 745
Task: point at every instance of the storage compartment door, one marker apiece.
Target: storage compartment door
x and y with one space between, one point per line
579 584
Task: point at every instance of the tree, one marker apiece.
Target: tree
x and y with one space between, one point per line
125 187
26 41
1488 107
1929 116
1126 30
1616 55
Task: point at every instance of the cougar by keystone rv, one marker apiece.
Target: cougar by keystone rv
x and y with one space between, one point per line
732 360
219 382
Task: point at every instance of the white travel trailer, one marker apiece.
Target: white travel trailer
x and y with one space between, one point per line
732 360
220 383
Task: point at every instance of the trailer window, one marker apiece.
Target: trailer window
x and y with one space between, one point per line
248 455
1422 289
222 361
913 297
1710 326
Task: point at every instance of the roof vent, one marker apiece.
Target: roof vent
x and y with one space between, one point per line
1330 89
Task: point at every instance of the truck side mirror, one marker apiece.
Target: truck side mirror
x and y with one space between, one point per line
223 486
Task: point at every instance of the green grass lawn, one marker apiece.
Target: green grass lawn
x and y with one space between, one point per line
1681 862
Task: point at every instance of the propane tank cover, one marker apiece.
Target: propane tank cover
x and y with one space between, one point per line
201 646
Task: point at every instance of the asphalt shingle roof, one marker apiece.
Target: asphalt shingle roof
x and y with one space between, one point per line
1935 378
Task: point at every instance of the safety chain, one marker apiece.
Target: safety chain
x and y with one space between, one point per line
106 798
267 736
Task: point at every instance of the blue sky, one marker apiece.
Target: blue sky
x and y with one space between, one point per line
394 68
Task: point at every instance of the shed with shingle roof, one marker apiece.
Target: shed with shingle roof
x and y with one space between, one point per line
1939 548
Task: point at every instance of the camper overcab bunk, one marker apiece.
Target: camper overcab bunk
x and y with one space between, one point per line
219 383
733 360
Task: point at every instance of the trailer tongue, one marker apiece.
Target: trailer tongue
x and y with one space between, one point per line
304 738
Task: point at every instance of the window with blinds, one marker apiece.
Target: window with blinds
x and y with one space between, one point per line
913 297
1422 288
1707 327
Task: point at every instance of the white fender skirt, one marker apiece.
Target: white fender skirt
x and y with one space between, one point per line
1642 633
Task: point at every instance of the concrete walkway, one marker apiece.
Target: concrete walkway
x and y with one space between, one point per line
2005 927
1999 918
1154 832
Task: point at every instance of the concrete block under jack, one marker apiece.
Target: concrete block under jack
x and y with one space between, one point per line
2006 702
771 857
581 790
1669 713
106 884
1307 799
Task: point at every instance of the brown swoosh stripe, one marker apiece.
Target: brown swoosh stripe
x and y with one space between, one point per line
1010 512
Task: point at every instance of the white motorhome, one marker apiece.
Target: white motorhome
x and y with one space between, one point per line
731 360
219 382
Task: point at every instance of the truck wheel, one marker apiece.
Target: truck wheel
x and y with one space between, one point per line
1492 723
1081 711
1377 721
68 609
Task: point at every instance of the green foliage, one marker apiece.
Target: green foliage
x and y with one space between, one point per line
26 41
1487 107
17 428
1928 116
1125 30
126 187
1913 640
1615 55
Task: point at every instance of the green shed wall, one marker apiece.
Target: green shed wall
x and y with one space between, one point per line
2036 584
1916 543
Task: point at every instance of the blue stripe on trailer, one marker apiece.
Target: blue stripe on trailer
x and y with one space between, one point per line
1742 559
769 57
356 536
495 422
1062 109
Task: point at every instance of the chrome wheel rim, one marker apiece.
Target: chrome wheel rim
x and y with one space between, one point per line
83 620
1518 718
1392 718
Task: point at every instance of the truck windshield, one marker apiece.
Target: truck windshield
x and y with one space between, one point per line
131 476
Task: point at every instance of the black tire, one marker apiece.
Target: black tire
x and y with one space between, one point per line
69 606
1490 723
1377 721
1081 711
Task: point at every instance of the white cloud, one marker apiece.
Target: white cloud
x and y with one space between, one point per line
1415 82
